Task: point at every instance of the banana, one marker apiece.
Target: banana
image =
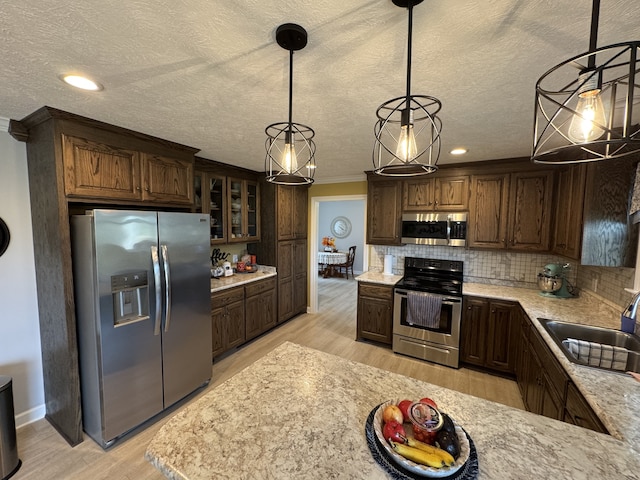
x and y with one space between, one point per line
446 456
418 456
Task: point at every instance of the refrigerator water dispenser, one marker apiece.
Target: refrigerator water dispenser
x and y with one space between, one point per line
130 293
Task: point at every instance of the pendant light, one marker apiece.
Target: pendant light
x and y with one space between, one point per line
290 148
585 105
407 132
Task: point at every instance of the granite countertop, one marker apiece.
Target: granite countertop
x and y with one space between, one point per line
238 279
615 397
377 277
300 413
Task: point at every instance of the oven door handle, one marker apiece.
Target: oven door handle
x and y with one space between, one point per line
445 300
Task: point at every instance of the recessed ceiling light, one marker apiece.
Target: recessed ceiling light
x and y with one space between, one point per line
81 82
458 151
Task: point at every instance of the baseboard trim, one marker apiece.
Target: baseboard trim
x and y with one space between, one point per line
30 416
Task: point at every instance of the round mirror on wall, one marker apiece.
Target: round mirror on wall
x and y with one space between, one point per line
340 227
4 237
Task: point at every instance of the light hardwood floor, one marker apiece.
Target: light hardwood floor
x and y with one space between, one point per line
45 455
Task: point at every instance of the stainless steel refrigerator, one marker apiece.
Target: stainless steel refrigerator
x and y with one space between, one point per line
142 293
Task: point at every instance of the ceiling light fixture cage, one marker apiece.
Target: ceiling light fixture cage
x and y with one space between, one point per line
290 158
591 114
407 133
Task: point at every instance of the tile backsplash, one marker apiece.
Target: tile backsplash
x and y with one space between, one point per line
516 269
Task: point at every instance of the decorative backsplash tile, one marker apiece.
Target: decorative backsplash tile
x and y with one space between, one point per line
516 269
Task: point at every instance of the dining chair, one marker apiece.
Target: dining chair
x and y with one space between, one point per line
351 256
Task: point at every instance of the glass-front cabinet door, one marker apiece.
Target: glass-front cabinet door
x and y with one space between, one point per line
217 196
243 208
210 196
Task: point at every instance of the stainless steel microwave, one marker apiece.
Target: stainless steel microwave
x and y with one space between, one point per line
449 229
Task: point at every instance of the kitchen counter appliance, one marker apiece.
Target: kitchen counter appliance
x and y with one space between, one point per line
552 281
143 308
439 284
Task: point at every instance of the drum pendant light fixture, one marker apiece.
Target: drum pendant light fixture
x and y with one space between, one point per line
290 147
585 105
407 132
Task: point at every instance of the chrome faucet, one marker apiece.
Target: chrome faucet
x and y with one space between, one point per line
632 309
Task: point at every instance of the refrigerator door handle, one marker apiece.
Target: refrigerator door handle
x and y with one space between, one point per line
167 290
158 283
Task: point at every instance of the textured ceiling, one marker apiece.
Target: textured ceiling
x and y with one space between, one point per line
209 74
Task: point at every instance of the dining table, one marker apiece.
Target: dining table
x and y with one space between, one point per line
301 413
329 260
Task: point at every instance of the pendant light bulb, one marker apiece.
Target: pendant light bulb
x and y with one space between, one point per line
289 157
407 149
590 114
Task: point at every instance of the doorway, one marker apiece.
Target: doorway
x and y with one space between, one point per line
358 225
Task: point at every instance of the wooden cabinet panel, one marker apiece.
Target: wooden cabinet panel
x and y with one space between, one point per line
452 193
384 214
375 313
511 210
569 203
300 212
438 193
489 334
227 320
474 330
93 169
578 412
98 170
488 211
504 324
167 180
300 276
260 307
283 244
285 198
530 213
418 195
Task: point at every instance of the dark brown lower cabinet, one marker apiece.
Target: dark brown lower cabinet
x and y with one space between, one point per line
261 304
489 334
239 314
545 386
375 313
578 412
227 320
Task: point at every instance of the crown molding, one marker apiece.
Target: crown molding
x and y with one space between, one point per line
4 124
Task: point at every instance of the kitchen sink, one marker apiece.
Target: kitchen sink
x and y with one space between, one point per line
560 331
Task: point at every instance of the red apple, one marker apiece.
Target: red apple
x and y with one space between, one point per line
404 408
392 413
394 431
429 402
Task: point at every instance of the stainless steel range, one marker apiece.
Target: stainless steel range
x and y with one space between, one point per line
427 310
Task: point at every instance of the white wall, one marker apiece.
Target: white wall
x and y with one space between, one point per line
20 355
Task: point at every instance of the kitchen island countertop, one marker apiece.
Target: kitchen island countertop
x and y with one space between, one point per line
237 279
300 413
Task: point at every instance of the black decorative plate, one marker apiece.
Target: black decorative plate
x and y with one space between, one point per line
4 237
469 470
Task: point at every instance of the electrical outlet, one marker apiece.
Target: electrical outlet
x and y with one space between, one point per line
235 258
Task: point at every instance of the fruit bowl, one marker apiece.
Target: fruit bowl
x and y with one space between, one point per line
422 470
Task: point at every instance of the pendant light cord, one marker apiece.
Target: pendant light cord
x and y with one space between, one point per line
593 39
290 91
410 29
